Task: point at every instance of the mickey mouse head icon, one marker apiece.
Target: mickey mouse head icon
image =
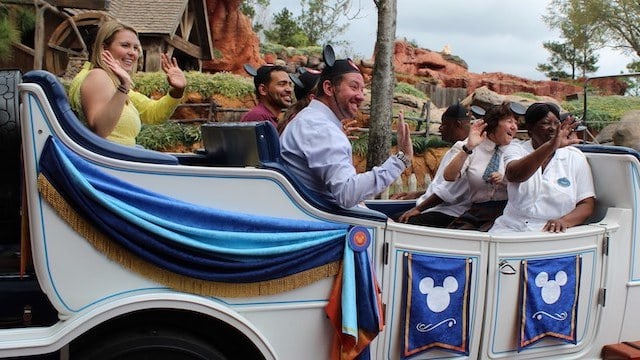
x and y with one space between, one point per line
438 297
551 288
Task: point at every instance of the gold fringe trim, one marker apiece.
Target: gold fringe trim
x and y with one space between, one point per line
175 281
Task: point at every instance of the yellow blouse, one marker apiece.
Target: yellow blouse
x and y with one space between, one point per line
140 109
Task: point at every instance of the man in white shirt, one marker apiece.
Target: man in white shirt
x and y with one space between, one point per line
443 201
315 148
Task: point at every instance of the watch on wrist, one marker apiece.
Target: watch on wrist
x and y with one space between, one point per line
467 150
400 155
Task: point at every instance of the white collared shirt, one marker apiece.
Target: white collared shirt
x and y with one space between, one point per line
544 196
473 169
454 194
314 147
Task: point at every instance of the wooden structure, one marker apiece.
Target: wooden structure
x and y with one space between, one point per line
65 30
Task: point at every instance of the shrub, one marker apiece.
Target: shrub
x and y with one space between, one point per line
166 136
408 89
422 143
222 83
602 110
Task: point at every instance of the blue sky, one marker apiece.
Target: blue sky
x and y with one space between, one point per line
490 35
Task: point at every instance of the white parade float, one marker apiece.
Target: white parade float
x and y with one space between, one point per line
129 278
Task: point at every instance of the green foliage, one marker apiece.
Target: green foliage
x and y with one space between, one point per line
602 110
286 31
527 95
217 54
581 37
273 48
633 82
455 59
408 89
248 7
9 30
422 143
165 136
580 58
25 19
222 83
8 35
150 82
360 145
412 42
613 23
319 19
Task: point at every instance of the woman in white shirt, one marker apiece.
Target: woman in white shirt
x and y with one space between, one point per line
479 162
550 182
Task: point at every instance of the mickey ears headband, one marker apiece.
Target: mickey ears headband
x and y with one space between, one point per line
295 78
250 70
477 111
305 78
328 55
515 107
335 67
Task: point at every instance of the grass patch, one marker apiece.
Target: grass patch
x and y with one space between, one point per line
602 110
272 48
527 95
222 83
408 89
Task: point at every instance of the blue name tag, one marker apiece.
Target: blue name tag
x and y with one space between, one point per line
564 182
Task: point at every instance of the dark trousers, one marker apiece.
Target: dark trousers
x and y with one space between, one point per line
480 216
433 219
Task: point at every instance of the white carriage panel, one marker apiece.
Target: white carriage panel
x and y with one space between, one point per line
504 281
79 274
620 314
617 183
295 331
630 330
432 242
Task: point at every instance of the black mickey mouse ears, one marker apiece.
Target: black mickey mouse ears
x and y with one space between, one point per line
250 70
304 81
335 67
328 55
515 107
477 111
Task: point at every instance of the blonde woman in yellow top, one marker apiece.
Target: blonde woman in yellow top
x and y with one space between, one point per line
101 92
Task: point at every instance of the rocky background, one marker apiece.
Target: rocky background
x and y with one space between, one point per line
236 44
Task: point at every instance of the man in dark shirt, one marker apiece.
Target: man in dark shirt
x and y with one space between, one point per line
273 91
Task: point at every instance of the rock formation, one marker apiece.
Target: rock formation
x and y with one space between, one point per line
235 44
447 72
233 38
626 132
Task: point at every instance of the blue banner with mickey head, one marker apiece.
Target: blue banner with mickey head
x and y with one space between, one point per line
436 304
549 299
